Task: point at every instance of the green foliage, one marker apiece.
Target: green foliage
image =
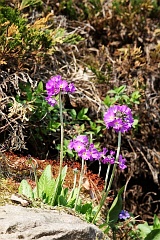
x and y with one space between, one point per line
86 124
120 97
148 232
100 76
29 3
19 37
80 10
132 16
12 28
116 207
50 190
66 150
156 9
11 16
45 185
38 38
88 210
113 213
68 8
45 117
26 189
136 6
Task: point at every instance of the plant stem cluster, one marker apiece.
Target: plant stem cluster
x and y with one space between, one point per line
117 117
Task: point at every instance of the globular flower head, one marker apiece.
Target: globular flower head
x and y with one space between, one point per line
124 215
119 118
55 85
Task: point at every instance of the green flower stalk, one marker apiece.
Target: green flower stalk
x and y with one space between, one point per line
62 134
74 184
106 191
107 175
56 86
80 184
34 167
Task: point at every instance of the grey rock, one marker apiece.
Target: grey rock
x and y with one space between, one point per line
17 222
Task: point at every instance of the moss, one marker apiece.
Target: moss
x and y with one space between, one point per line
7 188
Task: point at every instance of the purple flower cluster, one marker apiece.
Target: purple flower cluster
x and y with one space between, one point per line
84 149
54 86
124 215
107 158
110 158
87 151
119 118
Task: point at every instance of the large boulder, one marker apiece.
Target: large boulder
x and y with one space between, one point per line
17 222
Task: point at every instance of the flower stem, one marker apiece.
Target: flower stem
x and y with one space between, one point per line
62 134
80 183
61 153
74 184
100 166
107 175
105 193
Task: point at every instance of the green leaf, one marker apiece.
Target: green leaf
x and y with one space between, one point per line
40 87
49 191
72 196
112 91
86 207
25 189
153 235
144 229
107 101
82 114
121 89
115 209
73 113
135 95
82 128
126 98
63 174
53 126
45 181
118 90
62 201
135 123
27 3
58 186
156 222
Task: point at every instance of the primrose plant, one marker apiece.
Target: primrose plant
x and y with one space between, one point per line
53 192
56 86
121 120
118 117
